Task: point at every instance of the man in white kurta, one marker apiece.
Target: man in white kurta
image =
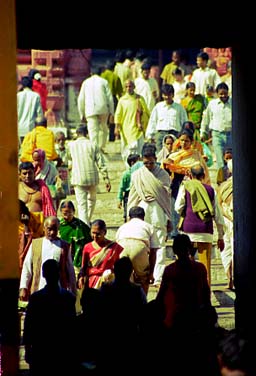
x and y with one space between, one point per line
147 87
86 160
150 189
28 108
203 75
42 249
95 104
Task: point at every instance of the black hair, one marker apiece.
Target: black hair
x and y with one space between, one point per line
32 72
203 55
222 85
149 151
145 66
177 71
188 125
167 89
168 136
82 129
190 84
51 271
182 245
26 166
137 212
123 268
67 204
26 81
235 352
100 223
209 88
132 158
187 132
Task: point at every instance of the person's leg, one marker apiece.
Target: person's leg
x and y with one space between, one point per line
218 143
91 200
204 256
93 129
160 256
227 253
228 140
175 219
159 136
124 151
125 202
103 131
140 143
82 206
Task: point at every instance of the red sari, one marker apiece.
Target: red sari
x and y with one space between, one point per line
96 261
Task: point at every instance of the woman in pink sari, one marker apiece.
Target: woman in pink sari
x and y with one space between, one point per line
98 258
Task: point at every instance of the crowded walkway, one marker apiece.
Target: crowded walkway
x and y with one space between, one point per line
107 208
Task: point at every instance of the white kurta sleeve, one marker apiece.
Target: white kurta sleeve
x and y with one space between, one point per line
180 200
26 273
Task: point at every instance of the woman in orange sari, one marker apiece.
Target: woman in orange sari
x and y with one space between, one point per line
195 144
181 161
178 165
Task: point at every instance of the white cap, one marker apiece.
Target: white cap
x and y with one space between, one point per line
37 76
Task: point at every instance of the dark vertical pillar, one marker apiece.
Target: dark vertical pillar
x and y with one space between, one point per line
160 64
244 173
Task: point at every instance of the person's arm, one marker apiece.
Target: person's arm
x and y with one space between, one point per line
81 102
219 220
204 129
180 201
81 278
123 186
151 128
183 115
71 273
26 276
109 99
118 118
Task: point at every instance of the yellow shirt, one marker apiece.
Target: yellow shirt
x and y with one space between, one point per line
39 138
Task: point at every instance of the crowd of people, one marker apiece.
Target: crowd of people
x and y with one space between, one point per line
95 286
